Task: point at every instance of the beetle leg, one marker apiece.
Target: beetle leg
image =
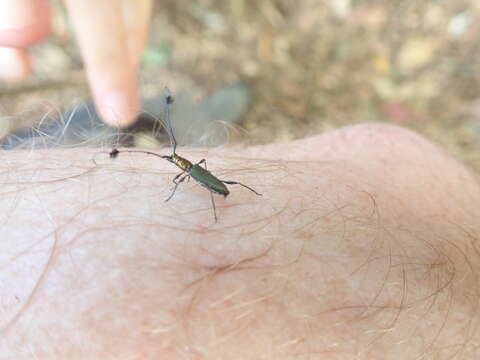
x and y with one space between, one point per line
237 183
213 205
203 161
177 176
177 182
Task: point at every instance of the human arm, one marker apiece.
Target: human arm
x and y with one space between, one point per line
363 245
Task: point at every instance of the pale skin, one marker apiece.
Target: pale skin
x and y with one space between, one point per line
110 33
363 246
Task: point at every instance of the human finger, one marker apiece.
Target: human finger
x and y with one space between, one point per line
14 64
136 15
23 22
101 35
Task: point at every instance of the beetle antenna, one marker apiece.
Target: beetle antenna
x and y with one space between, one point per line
114 153
168 104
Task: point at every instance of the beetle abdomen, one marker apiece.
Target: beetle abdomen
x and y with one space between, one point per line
205 178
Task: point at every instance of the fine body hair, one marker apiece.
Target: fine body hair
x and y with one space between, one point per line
363 246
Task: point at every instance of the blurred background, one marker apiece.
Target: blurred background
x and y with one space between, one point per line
296 69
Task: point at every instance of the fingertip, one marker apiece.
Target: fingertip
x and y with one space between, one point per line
101 35
118 107
14 64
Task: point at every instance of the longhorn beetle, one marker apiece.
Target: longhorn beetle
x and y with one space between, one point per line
198 173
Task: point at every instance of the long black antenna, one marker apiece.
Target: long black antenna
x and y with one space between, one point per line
168 104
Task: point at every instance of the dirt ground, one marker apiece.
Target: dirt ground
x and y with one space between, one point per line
312 66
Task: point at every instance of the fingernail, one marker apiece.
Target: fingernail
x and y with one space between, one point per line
118 108
17 14
14 64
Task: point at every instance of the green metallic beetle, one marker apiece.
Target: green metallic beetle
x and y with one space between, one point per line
200 174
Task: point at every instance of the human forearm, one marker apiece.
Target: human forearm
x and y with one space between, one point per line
341 257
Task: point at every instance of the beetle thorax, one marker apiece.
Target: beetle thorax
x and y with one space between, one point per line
182 163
